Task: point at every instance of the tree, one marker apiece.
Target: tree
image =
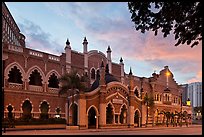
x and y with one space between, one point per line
184 18
149 101
71 82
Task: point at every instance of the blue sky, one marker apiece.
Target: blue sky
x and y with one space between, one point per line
47 25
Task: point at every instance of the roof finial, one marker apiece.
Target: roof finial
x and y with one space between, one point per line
68 43
130 71
121 60
85 41
109 49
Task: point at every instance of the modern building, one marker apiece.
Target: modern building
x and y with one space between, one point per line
195 93
114 99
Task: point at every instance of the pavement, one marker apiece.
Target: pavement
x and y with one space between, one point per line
22 128
191 130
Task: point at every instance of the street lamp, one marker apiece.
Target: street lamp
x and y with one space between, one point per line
167 78
188 102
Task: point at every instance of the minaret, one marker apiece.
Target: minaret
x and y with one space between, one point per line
122 70
68 56
131 84
85 44
109 59
131 100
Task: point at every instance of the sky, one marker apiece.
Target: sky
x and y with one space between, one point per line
47 25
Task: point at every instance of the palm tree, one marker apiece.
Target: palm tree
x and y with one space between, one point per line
149 101
71 83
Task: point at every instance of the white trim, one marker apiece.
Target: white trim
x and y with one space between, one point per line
111 106
87 112
8 68
50 73
138 111
38 69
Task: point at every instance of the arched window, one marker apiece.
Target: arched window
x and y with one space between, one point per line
123 115
15 76
44 108
136 92
157 97
109 114
35 78
53 81
93 74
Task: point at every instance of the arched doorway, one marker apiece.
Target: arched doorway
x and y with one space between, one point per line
109 114
136 118
27 107
10 113
74 109
44 108
92 118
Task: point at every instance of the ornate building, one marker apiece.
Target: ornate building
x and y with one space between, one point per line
115 99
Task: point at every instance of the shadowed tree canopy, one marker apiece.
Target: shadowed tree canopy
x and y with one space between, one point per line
71 81
184 18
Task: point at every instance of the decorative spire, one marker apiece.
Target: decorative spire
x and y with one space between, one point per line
108 50
85 41
67 43
107 69
130 71
102 65
121 60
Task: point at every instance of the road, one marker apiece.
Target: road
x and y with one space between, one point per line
192 130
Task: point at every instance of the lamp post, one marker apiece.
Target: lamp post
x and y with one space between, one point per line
167 78
188 102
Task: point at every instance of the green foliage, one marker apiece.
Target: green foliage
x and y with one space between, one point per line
71 81
148 100
197 109
184 18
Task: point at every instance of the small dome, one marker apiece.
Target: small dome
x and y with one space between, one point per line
108 78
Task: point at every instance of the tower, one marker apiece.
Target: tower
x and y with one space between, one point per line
68 56
85 44
109 59
122 70
131 100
